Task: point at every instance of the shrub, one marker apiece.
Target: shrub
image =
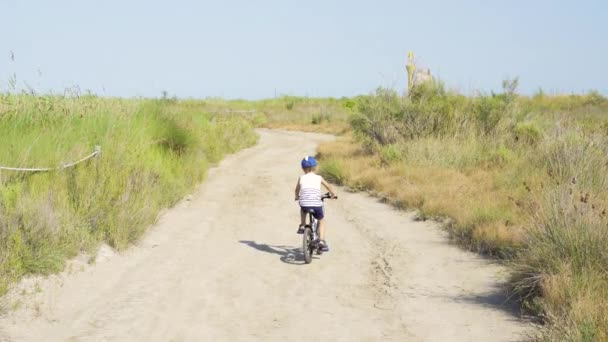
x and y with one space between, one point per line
350 104
333 171
571 157
488 111
378 117
565 263
500 156
527 132
318 118
390 153
594 98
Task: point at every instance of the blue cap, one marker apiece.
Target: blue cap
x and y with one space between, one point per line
309 162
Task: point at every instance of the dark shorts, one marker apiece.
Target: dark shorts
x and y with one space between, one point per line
317 212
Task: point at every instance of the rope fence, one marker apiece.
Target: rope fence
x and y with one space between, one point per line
95 153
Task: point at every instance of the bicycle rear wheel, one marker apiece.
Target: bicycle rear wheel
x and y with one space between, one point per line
307 245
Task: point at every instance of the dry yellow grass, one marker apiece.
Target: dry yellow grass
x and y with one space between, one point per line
485 213
338 127
519 178
467 198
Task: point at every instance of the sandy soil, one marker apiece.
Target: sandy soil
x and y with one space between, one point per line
226 265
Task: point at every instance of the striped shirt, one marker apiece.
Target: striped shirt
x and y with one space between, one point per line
310 190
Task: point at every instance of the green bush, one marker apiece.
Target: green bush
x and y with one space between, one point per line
500 156
527 132
594 98
350 104
318 118
390 153
378 117
429 111
488 111
565 265
333 171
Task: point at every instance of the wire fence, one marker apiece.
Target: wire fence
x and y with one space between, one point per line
95 153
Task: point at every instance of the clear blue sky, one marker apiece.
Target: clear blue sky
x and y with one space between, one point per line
254 49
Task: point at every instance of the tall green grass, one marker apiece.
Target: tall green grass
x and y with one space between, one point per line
153 153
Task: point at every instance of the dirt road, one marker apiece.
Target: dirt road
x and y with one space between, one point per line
226 265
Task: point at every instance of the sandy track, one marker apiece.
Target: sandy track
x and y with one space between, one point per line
226 265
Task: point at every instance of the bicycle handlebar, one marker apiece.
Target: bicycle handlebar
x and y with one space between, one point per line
328 196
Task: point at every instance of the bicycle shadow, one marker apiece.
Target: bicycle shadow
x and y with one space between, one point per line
289 255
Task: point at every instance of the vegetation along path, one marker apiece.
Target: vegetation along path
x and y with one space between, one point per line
225 264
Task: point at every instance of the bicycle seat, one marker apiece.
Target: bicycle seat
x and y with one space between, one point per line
309 211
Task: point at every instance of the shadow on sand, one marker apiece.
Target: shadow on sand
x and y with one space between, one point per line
289 255
497 298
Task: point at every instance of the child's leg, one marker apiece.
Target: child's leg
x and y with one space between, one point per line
324 246
302 222
322 229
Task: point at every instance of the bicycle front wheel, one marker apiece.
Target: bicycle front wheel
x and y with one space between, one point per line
307 246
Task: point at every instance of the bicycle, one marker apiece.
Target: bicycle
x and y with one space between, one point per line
310 239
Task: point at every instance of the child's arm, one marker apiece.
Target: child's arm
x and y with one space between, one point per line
298 190
328 187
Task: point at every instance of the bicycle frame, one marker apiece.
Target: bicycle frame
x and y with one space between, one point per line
314 224
311 235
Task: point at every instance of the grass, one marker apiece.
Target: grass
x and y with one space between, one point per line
153 153
519 178
327 115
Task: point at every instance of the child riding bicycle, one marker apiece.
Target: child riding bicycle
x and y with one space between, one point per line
308 195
